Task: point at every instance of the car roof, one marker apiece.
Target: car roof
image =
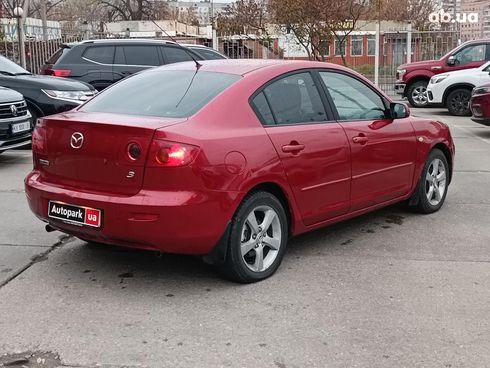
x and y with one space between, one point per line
247 66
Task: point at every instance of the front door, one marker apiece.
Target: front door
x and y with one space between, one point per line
313 149
383 151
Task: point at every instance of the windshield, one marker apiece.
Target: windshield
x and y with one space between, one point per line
163 93
8 66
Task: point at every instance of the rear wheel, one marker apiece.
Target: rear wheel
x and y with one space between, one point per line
257 240
458 102
417 94
432 187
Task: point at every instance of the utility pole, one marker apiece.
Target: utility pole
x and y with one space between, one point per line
18 13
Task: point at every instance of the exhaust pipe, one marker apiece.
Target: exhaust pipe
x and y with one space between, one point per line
49 228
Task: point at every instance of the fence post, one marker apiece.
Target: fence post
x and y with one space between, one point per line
376 55
409 42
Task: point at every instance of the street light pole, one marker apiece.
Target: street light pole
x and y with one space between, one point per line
18 12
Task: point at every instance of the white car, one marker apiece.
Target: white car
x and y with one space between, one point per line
453 89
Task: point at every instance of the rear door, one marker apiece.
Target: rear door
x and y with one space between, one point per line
383 150
96 66
130 59
313 149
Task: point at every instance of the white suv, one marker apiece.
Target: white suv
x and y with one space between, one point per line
453 89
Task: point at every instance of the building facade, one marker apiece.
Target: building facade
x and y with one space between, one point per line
203 11
480 29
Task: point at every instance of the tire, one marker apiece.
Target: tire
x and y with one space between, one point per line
430 194
458 102
247 233
417 94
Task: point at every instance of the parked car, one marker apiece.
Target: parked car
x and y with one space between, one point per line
412 79
453 90
480 104
232 159
44 95
104 62
15 120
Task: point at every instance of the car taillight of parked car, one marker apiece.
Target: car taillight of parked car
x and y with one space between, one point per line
171 154
58 72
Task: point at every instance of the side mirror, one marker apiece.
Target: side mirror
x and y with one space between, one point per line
399 110
451 60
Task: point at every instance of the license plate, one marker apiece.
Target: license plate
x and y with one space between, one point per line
75 214
21 127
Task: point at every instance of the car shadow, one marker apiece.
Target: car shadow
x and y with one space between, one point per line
129 270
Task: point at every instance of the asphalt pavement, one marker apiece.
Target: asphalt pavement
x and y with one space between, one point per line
388 289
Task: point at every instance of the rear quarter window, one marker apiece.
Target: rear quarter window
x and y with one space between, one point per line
162 93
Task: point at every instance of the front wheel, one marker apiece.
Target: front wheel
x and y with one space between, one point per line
417 94
258 239
432 187
458 102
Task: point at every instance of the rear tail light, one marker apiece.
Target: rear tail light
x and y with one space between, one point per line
39 139
171 154
58 72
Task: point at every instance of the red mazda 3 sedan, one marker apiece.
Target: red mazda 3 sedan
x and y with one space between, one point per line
230 159
480 105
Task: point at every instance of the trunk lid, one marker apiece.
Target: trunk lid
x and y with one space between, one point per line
89 151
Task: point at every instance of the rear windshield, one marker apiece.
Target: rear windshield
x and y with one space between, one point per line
165 93
55 57
207 54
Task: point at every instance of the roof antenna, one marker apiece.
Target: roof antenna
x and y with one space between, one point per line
198 64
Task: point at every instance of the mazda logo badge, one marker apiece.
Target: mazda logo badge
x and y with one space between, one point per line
76 140
13 109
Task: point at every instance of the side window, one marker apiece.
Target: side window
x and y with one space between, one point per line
353 99
176 54
295 99
262 107
141 55
471 53
100 54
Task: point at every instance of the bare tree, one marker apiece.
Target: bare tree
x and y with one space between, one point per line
244 16
317 22
132 9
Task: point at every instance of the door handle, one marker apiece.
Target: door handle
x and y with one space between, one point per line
293 148
360 139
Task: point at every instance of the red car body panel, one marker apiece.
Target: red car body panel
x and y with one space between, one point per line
480 107
187 209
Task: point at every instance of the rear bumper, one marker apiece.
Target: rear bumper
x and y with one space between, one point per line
482 121
173 222
400 88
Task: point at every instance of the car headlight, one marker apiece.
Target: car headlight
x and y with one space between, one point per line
75 96
400 72
481 90
438 78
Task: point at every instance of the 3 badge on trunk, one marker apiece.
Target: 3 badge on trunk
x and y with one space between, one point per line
75 214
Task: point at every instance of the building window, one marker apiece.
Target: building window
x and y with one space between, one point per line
324 47
339 47
371 45
356 48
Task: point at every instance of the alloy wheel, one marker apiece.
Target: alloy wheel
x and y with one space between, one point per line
260 238
460 103
419 95
435 182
